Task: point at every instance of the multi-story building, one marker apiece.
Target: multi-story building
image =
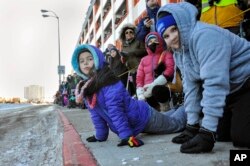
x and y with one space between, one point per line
105 18
34 93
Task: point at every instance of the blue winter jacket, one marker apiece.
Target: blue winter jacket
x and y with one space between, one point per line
142 30
117 110
214 63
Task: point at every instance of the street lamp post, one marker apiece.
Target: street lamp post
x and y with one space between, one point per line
61 69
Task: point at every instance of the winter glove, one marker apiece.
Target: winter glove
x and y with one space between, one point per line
161 80
79 92
139 93
131 142
202 142
159 69
91 139
187 134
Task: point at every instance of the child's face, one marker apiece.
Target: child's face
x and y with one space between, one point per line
86 62
113 53
171 37
153 40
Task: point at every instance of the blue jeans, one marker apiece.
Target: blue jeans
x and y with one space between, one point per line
168 122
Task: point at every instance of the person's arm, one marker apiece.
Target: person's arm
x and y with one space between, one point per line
137 50
213 56
140 50
116 109
140 74
140 77
101 128
114 102
142 31
169 63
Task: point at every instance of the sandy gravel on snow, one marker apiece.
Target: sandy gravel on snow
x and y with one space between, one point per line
31 136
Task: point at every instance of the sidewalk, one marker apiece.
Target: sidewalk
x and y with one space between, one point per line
158 149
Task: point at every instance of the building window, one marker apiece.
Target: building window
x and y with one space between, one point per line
108 31
120 14
98 23
174 1
106 8
97 5
98 43
144 14
135 2
91 36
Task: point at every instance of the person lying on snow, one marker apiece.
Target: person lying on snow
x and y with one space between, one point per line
111 106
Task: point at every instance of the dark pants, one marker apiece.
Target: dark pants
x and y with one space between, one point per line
236 119
235 30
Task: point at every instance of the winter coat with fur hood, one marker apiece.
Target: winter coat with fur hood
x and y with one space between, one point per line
135 49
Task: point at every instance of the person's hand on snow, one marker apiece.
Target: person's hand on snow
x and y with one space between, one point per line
93 139
131 142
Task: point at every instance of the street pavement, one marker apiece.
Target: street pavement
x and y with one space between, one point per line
158 149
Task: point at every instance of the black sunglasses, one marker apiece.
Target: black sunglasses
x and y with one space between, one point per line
127 32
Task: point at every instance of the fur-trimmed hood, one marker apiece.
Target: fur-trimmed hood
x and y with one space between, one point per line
98 56
124 28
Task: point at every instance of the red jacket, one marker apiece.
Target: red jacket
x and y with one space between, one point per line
145 71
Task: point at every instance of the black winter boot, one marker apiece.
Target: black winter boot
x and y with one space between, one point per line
202 142
187 134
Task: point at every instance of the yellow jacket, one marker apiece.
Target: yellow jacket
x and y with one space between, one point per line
219 13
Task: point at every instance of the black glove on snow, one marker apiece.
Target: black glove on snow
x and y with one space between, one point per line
187 134
202 142
131 142
92 139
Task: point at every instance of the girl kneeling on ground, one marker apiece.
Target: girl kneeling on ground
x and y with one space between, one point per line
111 106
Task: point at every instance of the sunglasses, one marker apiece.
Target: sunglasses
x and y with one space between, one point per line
127 32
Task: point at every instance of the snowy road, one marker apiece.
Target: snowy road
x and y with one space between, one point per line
31 135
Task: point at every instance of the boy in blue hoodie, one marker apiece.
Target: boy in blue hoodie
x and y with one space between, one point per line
215 65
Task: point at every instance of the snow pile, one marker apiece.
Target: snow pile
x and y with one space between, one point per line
31 137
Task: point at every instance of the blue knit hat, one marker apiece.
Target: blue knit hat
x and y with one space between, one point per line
98 56
164 22
151 36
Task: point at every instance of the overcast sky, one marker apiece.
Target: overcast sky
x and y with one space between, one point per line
29 43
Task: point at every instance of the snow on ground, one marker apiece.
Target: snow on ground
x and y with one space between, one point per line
5 107
31 135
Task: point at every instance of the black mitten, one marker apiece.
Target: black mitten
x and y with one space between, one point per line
187 134
202 142
91 139
131 142
159 69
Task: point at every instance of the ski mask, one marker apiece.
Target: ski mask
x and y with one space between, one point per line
152 42
153 46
